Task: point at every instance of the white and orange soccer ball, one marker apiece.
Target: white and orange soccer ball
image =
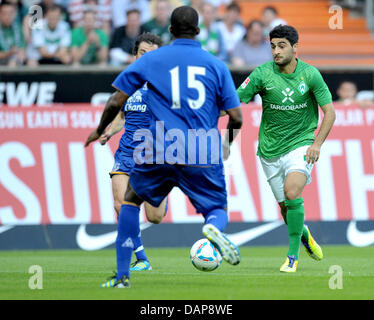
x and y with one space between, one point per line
204 256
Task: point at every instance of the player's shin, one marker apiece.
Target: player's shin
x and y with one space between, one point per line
295 223
128 230
305 233
218 218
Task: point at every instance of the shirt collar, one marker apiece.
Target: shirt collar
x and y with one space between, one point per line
186 42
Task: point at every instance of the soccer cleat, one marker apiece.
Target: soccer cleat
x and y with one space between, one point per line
290 265
311 246
124 282
140 265
228 250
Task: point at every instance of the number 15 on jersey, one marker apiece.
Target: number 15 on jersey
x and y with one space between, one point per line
192 83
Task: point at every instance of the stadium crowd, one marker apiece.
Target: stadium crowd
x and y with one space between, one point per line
74 32
103 32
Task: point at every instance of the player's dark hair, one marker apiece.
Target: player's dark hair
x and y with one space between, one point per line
272 9
147 37
285 31
184 22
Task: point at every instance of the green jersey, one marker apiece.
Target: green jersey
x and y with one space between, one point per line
289 106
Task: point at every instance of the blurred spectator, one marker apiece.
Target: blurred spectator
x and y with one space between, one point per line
270 19
209 36
47 4
44 5
172 3
231 29
89 45
123 39
159 25
120 7
63 3
217 3
253 50
22 10
365 98
347 92
12 42
50 43
196 4
102 8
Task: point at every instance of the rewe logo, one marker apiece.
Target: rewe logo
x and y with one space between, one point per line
288 93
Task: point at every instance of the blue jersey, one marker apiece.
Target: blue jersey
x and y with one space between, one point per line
136 117
187 88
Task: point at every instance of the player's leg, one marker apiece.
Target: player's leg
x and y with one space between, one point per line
153 187
298 174
119 184
293 187
311 246
127 235
128 232
120 177
206 190
156 214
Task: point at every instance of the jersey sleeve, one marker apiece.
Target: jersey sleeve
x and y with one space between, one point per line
228 97
251 86
320 89
132 78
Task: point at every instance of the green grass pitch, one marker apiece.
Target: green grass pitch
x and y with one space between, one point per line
76 274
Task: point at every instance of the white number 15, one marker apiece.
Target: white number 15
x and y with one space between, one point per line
192 82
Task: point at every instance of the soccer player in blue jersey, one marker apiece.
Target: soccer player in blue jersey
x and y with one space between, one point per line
187 89
134 115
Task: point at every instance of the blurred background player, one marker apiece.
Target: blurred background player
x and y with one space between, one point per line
133 116
291 91
178 108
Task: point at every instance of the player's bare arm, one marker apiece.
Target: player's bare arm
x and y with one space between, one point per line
312 154
115 127
233 128
112 107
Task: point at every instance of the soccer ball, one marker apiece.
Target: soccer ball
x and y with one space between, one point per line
204 256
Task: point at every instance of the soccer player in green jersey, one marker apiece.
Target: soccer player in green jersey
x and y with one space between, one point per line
291 91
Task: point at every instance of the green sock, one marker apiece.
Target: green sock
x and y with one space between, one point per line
305 234
295 223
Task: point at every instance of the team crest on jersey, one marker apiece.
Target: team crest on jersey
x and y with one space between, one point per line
302 87
245 83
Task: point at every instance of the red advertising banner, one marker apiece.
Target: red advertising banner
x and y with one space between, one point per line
48 177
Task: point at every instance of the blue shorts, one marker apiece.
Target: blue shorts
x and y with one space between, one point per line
204 186
123 163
